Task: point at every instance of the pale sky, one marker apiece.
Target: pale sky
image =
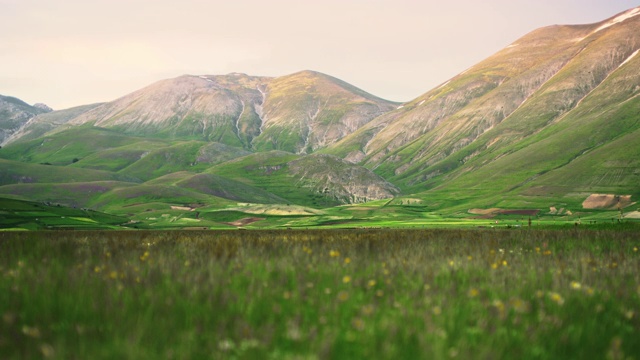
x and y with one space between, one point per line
73 52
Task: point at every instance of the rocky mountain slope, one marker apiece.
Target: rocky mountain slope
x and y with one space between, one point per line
14 113
299 113
41 124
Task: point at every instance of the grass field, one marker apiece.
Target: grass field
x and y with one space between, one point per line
292 294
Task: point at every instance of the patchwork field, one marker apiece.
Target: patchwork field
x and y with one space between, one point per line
285 294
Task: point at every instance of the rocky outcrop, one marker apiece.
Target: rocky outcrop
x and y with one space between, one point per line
337 179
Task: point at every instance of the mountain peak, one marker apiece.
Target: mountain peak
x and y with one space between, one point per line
42 106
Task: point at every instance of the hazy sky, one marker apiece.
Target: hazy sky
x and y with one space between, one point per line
72 52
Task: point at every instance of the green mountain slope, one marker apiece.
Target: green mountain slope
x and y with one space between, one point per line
308 110
527 116
14 172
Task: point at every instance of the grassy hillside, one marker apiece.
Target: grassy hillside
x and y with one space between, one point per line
14 172
78 194
65 146
592 149
29 215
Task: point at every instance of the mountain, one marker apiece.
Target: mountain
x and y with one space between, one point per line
546 122
555 98
299 113
14 113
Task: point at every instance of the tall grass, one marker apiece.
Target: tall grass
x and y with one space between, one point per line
430 294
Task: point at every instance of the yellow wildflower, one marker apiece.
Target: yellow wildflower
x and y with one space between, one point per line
334 253
358 324
47 350
144 256
504 263
346 279
436 310
31 331
588 290
371 283
473 292
343 296
575 285
556 298
347 260
519 305
629 314
367 310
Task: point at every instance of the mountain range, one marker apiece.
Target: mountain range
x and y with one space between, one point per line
544 123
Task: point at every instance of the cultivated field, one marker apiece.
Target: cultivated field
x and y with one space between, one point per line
289 294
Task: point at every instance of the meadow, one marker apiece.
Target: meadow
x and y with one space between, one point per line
321 294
